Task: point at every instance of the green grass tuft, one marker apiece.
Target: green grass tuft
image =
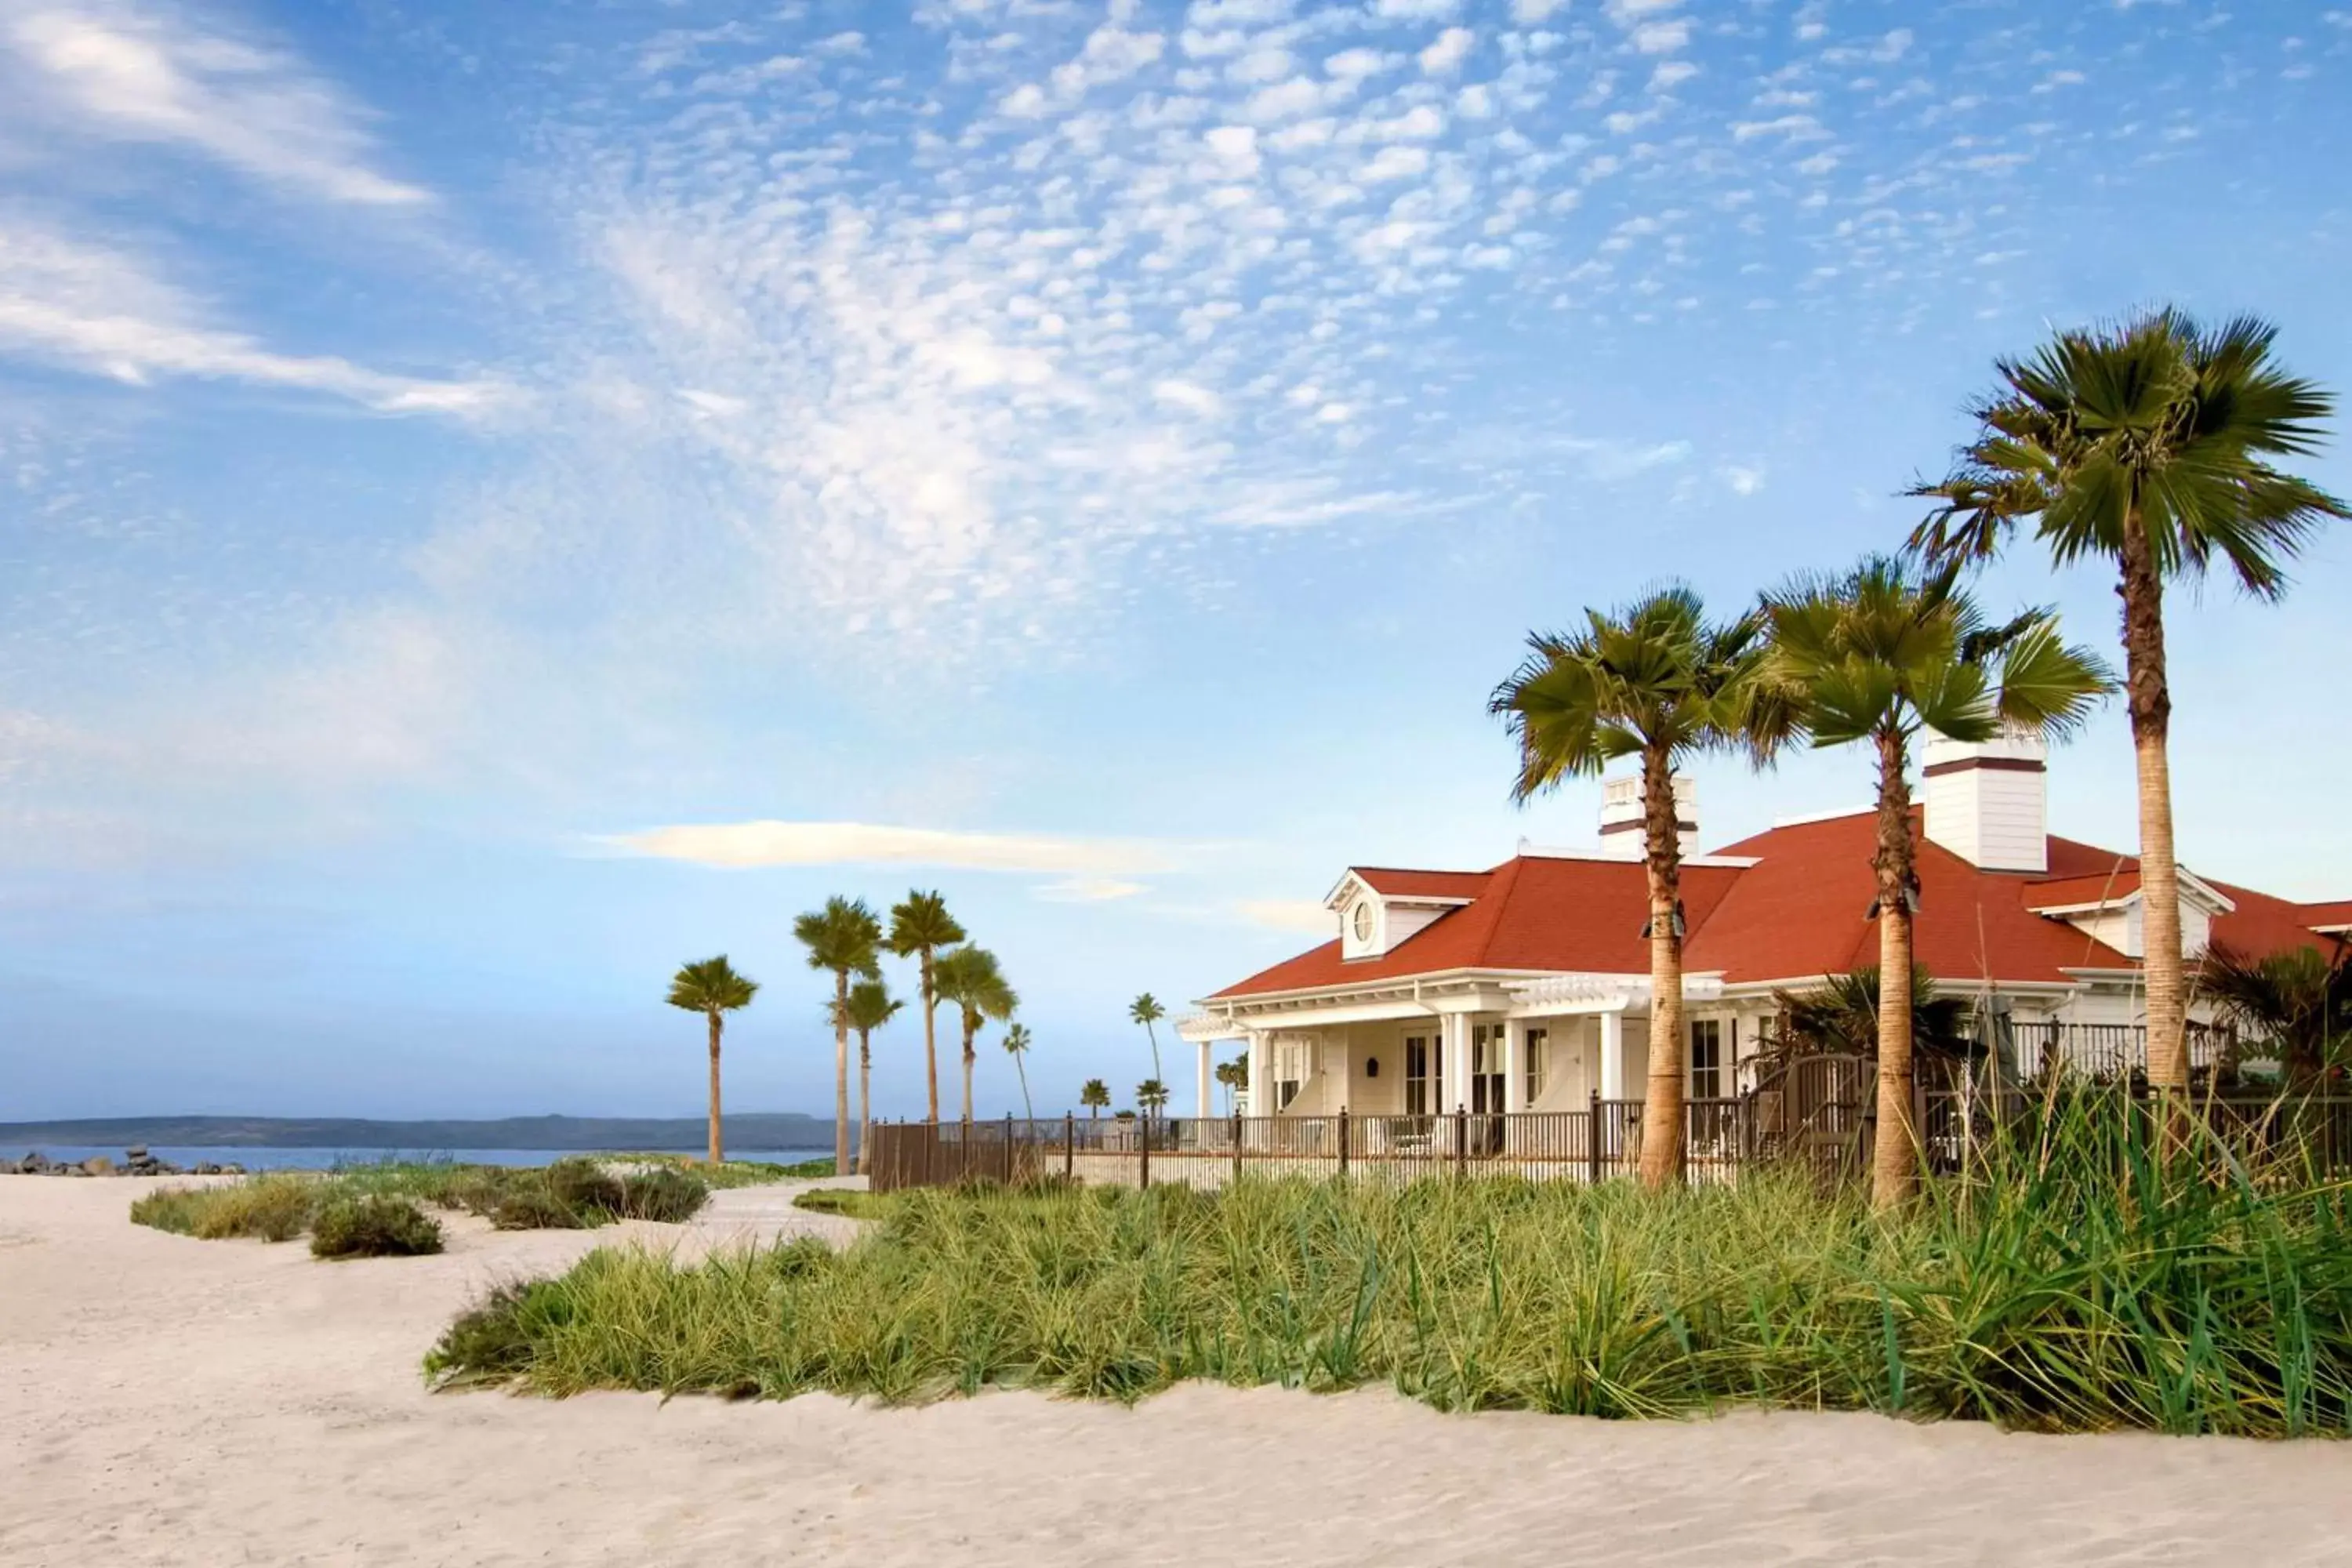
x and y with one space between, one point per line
2072 1282
373 1224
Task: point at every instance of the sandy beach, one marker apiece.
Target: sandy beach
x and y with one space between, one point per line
172 1401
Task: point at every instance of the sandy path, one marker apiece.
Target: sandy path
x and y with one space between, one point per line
168 1401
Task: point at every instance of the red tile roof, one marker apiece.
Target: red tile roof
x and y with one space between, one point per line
1799 912
1396 883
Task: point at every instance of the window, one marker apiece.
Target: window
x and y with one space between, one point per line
1486 1067
1533 1043
1422 1057
1707 1059
1363 920
1290 1064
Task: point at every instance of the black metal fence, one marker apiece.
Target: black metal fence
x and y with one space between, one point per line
1721 1137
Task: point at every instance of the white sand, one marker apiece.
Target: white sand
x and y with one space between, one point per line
169 1401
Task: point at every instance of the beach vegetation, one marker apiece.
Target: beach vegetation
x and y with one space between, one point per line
373 1224
1147 1011
2062 1284
867 1008
844 939
971 979
920 927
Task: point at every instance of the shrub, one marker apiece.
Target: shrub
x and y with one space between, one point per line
535 1206
494 1341
663 1193
848 1201
807 1170
581 1183
373 1224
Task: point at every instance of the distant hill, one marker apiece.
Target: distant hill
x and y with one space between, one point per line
782 1129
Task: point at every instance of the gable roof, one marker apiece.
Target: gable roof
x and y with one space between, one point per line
1798 908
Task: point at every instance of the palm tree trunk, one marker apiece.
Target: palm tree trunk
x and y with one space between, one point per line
1027 1109
1895 1153
841 1072
970 1029
717 1153
1154 1033
865 1102
1662 1105
930 1039
2149 698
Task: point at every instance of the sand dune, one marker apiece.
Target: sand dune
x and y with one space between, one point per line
169 1401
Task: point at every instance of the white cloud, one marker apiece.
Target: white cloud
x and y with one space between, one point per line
1661 38
744 844
1090 891
1744 481
1444 57
99 310
150 75
1288 914
1396 164
1190 398
1415 10
1531 12
1671 74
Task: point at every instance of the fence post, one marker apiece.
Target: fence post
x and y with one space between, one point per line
1237 1145
1461 1141
1069 1145
1343 1141
1592 1138
1143 1126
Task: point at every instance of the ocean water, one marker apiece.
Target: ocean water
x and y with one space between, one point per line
185 1155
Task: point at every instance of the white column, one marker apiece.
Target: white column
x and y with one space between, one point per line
1457 1061
1612 1055
1514 1076
1208 1107
1261 1093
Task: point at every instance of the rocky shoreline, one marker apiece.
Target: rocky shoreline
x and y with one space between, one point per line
136 1161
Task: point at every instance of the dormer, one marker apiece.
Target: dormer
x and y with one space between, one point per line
2108 908
1380 908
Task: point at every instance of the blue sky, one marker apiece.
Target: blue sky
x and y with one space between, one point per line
464 470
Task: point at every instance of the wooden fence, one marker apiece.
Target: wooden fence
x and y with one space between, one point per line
1825 1129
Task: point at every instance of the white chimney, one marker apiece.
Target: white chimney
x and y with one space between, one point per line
1988 804
1622 816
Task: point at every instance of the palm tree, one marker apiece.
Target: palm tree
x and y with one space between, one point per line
1016 1044
1095 1096
713 988
1148 1012
1657 681
870 1005
920 926
1876 655
845 938
1234 1076
2145 445
1841 1015
2296 1002
970 978
1151 1095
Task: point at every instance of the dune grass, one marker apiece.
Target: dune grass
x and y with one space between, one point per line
373 1224
568 1195
2076 1281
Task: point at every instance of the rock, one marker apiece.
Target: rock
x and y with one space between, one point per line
135 1153
97 1166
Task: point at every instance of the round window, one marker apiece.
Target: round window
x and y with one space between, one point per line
1363 920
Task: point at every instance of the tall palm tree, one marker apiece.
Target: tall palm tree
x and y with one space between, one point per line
1875 655
1147 1011
1095 1096
712 988
971 979
846 939
1152 1096
1016 1044
920 926
869 1007
2146 444
1655 680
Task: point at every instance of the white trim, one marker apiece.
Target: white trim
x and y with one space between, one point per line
1555 852
1803 818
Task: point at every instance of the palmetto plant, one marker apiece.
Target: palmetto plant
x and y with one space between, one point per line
1876 655
970 978
844 939
1151 1096
1841 1013
1147 1011
1657 681
713 989
920 926
1095 1095
2146 444
1016 1046
2298 1002
869 1007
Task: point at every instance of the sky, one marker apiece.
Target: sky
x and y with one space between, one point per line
496 502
